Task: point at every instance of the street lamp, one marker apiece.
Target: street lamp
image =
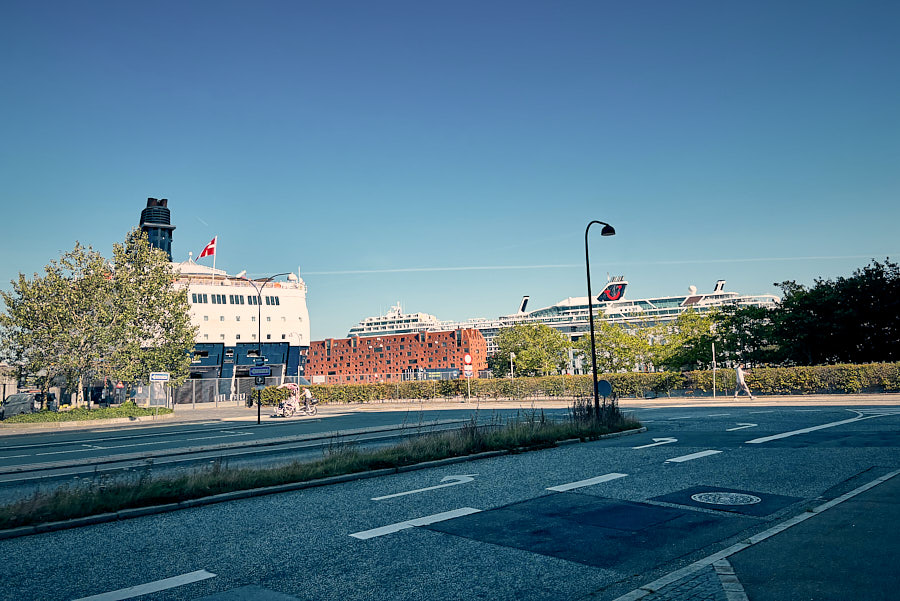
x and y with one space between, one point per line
607 230
259 358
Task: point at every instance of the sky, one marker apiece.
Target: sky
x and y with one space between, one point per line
449 155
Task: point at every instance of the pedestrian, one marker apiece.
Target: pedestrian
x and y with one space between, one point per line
740 383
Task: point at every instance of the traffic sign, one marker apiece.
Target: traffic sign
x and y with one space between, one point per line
468 359
159 376
261 370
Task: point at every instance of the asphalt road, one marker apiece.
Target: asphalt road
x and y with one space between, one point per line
613 519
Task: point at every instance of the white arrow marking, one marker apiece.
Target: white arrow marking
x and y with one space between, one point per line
588 482
657 442
692 456
741 427
449 480
425 521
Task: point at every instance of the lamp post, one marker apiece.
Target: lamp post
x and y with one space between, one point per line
259 358
607 230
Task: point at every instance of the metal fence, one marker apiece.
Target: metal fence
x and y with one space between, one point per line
233 391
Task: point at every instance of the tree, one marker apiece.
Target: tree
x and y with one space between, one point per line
618 349
61 323
687 342
846 320
155 331
85 318
540 350
745 334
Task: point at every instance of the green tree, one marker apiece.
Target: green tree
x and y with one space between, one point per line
686 342
154 329
539 349
618 348
61 323
745 334
852 319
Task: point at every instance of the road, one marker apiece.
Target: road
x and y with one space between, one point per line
596 520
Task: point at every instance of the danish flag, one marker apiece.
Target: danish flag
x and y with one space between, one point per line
210 248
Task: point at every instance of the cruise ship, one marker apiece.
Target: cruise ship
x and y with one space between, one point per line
571 315
240 321
395 321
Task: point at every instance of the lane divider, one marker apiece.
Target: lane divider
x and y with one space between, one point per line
151 587
692 456
423 521
588 482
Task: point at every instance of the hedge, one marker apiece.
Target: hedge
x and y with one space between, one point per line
821 379
127 409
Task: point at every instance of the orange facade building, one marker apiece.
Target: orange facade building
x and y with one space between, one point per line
396 357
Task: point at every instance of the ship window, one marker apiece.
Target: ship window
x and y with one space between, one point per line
206 318
221 318
221 336
253 318
194 297
241 299
268 337
236 337
214 299
282 336
268 318
237 318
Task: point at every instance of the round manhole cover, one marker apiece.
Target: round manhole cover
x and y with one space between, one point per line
725 498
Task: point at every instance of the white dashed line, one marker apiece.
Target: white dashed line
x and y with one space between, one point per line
423 521
151 587
692 456
588 482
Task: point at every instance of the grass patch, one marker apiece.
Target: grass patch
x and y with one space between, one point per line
128 409
528 431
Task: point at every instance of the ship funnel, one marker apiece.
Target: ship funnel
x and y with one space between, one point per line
156 221
524 303
720 286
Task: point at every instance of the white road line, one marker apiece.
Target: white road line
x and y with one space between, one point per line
423 521
812 429
692 456
588 482
447 481
718 415
683 417
151 587
760 412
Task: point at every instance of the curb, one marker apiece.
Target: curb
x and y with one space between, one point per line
126 514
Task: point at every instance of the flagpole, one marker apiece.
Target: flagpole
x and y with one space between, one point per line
215 244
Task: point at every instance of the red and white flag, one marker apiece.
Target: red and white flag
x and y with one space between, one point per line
210 248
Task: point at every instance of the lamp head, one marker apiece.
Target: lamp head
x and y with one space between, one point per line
608 230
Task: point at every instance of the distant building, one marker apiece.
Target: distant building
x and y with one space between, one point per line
395 358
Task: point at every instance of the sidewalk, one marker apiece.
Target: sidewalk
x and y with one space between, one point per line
847 551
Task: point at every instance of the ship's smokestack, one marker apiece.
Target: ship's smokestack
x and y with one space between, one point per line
156 221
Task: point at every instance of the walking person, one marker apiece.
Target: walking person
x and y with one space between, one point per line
740 383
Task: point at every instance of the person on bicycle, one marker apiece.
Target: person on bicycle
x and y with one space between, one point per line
307 397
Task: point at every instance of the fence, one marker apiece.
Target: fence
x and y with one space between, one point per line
232 391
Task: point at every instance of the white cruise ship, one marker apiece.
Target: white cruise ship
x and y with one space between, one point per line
395 321
241 321
570 316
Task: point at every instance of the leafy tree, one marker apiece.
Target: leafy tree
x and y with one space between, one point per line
847 320
61 323
154 328
745 334
617 348
85 318
539 349
687 342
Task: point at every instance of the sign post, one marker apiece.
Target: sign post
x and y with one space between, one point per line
467 371
157 376
260 372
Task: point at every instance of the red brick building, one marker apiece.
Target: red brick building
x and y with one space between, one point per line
396 357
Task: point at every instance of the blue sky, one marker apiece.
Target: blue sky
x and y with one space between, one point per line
450 154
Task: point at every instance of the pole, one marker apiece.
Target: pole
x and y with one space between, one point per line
714 368
608 230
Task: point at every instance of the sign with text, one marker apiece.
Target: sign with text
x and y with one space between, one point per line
159 376
261 370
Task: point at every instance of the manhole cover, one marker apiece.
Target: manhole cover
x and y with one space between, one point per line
725 498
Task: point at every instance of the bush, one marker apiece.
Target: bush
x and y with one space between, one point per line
127 409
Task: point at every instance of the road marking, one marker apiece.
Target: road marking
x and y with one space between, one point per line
423 521
741 427
151 587
718 415
657 442
450 481
588 482
760 412
692 456
683 417
859 417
